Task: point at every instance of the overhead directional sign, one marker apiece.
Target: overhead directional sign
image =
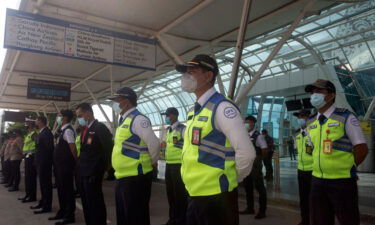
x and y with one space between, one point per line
48 90
36 33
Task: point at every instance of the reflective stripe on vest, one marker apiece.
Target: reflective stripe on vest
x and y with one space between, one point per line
174 146
305 160
208 166
130 156
340 163
29 144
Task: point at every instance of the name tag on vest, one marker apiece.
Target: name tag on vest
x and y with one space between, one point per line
125 126
196 136
203 118
333 124
312 126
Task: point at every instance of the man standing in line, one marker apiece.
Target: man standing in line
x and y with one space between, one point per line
29 149
176 192
305 165
255 178
217 151
64 159
94 160
43 162
267 160
135 152
339 147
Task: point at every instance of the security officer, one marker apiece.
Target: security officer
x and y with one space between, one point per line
43 161
176 192
93 161
217 151
64 159
339 147
255 178
29 149
135 152
305 165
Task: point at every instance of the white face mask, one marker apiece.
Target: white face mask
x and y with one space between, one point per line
116 107
188 83
59 120
317 100
301 122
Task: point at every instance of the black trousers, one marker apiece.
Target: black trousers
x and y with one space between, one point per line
65 190
330 197
177 195
45 183
304 185
132 200
15 174
267 161
255 179
30 177
292 153
221 209
6 170
93 204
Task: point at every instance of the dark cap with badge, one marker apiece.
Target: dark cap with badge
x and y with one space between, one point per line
201 60
321 84
171 111
125 92
302 112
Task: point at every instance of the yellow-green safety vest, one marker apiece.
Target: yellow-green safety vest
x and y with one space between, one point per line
208 165
174 146
78 144
305 159
339 163
130 156
29 144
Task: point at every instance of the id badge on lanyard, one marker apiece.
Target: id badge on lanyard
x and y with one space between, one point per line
327 144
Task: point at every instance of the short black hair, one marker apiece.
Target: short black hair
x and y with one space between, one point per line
67 113
264 131
251 118
42 119
86 107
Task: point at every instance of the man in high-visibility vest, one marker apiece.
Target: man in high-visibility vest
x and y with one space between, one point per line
339 147
29 148
217 151
135 151
305 163
176 192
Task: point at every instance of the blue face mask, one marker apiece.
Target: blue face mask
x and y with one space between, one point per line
82 122
301 122
167 120
317 100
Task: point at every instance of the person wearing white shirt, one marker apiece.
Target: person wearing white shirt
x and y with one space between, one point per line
255 178
305 164
217 152
176 192
339 147
135 152
64 159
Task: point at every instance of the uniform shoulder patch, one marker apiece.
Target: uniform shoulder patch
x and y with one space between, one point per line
354 121
230 112
145 123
